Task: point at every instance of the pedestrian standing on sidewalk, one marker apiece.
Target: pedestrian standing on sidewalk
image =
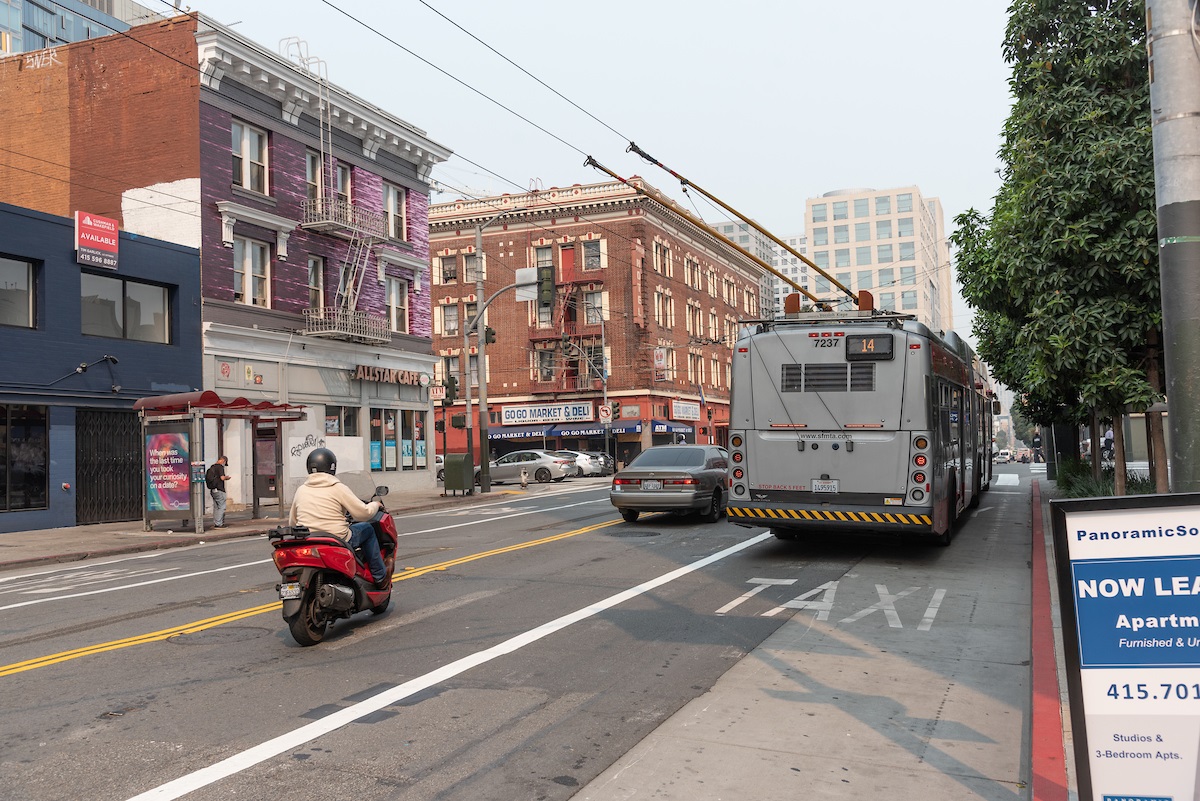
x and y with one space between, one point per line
215 478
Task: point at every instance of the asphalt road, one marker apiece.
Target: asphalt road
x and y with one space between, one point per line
538 640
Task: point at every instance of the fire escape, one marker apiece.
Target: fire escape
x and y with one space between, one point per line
334 214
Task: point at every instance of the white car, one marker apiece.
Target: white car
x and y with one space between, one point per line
585 463
439 464
1003 457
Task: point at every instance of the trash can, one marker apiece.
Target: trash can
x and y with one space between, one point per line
460 474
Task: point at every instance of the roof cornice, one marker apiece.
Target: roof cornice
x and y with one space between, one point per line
223 53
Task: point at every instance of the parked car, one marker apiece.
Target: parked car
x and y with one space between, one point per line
673 478
439 464
607 463
586 464
541 466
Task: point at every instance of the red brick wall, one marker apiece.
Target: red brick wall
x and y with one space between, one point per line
87 121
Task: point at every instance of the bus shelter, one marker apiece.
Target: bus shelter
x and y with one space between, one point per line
173 449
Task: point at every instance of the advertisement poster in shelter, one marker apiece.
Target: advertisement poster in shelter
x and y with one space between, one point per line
168 471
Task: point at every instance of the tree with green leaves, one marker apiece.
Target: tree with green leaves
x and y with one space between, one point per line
1063 274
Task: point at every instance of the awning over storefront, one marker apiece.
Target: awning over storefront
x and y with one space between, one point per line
627 427
210 404
517 432
669 427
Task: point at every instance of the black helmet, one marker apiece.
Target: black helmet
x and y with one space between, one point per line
322 460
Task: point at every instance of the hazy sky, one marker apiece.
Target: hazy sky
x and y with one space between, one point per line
763 104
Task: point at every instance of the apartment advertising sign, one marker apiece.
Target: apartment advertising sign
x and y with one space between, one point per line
96 240
1129 589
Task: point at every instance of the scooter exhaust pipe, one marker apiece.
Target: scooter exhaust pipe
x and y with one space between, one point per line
335 597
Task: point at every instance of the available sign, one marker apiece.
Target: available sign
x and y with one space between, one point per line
1129 582
546 413
96 240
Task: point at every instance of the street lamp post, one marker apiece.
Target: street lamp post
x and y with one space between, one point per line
485 473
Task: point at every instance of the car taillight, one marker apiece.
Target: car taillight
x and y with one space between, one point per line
680 481
626 481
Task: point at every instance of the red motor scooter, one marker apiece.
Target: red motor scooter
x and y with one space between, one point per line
324 579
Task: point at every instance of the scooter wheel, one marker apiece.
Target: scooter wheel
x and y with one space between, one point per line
379 610
307 626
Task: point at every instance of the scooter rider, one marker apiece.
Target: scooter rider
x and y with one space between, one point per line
322 502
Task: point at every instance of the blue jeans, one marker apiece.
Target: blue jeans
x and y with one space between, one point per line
218 497
362 535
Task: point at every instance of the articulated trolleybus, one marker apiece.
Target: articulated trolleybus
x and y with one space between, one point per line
857 421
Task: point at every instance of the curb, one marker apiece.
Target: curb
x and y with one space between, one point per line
1048 768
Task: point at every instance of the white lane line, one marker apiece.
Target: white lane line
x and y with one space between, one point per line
475 521
330 723
137 584
762 583
1007 480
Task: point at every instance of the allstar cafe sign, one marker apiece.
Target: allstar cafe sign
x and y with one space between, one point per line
96 240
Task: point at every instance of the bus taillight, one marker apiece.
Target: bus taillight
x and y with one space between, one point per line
918 477
736 441
737 457
920 443
739 473
920 460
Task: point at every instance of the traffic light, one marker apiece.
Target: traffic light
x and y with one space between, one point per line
616 409
458 420
545 285
451 383
439 425
489 335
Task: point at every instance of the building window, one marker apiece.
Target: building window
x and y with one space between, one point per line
591 255
469 313
593 304
344 183
866 279
450 368
887 277
450 320
839 210
249 158
908 276
862 231
907 251
594 356
841 234
251 272
396 301
24 457
312 174
662 258
841 257
471 268
843 279
449 269
904 202
883 204
862 207
820 212
545 364
341 421
820 237
862 255
114 307
883 254
821 259
316 282
397 440
908 299
691 273
822 285
394 198
16 293
883 229
473 368
904 226
887 300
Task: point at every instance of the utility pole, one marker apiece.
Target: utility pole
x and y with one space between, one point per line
1175 123
485 471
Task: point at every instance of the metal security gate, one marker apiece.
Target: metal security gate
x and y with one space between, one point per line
108 466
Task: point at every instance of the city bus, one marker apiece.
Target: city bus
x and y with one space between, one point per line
857 421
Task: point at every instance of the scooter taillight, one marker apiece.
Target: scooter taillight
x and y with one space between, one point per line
284 555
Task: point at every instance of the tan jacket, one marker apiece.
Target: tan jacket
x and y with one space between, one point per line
321 503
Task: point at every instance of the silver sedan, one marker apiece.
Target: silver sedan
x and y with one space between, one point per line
673 478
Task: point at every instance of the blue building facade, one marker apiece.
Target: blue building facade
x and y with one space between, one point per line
29 25
81 344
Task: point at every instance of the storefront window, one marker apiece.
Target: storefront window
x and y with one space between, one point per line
24 457
406 452
341 421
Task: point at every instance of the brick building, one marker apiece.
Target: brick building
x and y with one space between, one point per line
309 209
643 298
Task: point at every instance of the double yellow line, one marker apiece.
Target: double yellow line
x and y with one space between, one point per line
231 617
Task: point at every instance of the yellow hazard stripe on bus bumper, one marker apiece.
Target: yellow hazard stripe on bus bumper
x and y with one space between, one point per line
829 516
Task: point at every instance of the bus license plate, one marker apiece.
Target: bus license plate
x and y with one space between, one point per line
819 485
289 591
651 484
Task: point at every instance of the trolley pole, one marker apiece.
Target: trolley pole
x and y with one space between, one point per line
1175 123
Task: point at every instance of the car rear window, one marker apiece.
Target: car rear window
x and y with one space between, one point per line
672 456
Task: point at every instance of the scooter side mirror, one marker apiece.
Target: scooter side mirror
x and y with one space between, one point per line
380 491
